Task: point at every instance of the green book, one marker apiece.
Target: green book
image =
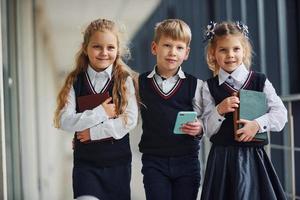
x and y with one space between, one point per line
253 104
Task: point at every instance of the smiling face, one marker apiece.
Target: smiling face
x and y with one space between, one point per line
102 50
229 52
169 55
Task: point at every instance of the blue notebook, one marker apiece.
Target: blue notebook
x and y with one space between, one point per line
253 104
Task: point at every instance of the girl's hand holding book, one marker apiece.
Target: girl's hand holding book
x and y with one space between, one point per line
228 105
83 136
109 108
248 131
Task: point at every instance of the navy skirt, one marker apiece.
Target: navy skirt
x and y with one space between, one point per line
105 183
240 173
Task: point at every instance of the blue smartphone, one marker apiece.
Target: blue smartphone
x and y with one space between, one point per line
182 118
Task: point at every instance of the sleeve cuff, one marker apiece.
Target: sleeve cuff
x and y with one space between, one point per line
263 124
97 132
100 112
93 133
217 117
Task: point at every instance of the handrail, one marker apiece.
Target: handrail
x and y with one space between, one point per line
292 97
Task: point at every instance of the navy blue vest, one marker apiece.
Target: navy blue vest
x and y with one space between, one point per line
159 112
99 153
225 135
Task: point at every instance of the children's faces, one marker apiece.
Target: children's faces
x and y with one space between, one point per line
229 52
102 50
169 55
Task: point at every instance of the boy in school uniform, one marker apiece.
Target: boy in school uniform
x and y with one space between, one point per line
171 168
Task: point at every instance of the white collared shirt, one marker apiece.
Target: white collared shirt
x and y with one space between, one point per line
237 78
167 84
99 79
273 120
96 119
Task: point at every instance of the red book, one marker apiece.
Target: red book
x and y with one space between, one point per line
89 102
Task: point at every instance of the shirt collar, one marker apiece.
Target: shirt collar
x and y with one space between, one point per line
240 74
92 73
180 73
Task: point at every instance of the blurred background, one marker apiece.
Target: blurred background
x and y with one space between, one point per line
39 39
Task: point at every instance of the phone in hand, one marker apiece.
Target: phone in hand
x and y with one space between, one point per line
184 117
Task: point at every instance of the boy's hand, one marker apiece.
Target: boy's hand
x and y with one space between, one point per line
249 130
83 136
228 105
109 108
192 128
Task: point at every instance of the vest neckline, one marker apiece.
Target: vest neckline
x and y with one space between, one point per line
168 94
91 87
231 89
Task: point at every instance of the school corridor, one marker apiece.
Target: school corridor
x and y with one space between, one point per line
39 39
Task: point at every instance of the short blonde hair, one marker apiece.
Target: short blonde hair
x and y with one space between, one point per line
221 30
173 28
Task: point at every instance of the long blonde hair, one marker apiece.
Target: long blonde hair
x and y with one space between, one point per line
224 29
120 71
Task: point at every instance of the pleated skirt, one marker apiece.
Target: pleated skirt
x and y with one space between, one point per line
240 173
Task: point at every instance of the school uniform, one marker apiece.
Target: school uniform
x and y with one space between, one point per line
102 166
171 166
239 170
